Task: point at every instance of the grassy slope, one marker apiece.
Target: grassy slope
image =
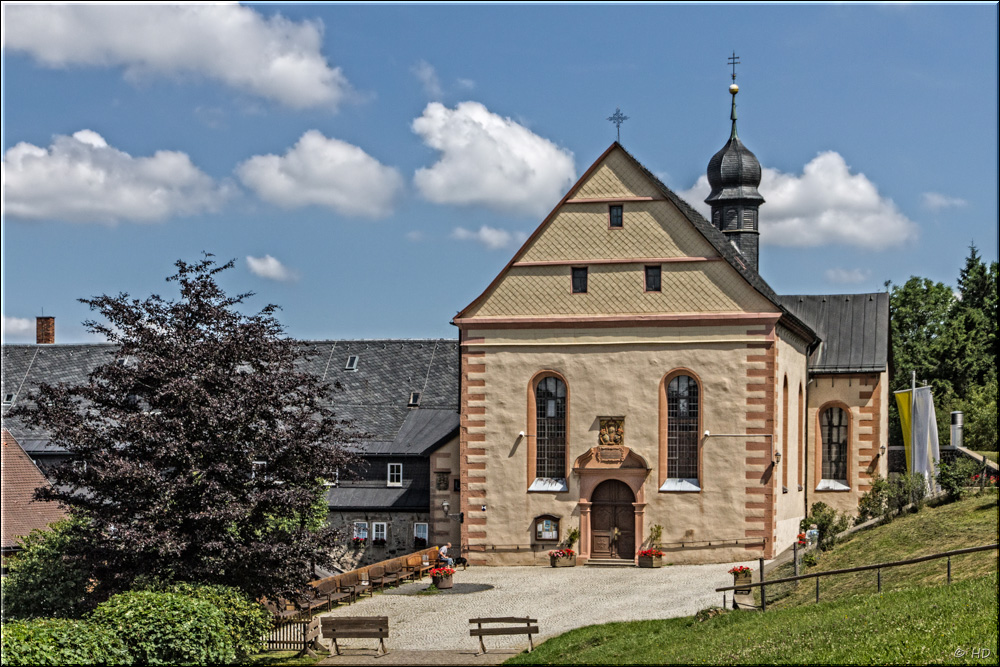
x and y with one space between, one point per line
969 523
916 619
915 626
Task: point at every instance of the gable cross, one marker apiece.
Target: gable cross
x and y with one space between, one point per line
618 118
734 60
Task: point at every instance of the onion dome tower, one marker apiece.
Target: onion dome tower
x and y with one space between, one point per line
734 174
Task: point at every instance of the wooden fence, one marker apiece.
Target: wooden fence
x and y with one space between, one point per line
878 567
295 635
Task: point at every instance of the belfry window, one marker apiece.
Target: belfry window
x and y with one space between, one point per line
579 280
682 428
550 426
833 428
653 278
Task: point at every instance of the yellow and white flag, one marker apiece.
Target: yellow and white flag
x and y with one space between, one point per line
920 435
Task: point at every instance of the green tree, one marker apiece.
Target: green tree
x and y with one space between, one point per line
200 442
47 578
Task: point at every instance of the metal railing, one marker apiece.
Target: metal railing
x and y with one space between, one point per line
878 567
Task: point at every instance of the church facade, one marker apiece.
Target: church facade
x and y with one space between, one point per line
630 375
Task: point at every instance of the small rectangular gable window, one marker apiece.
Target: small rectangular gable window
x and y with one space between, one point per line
352 363
579 280
615 216
652 278
414 399
395 474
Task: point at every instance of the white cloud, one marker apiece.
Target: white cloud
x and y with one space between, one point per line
826 204
17 327
415 236
273 58
324 172
270 268
83 179
468 84
428 78
847 276
490 160
492 238
937 201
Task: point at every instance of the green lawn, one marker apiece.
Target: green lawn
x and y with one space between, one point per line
936 624
992 456
968 523
917 619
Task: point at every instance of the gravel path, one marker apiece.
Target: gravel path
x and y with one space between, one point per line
560 598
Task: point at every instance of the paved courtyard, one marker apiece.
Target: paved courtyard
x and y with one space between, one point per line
560 598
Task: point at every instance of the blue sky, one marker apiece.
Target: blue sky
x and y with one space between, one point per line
371 168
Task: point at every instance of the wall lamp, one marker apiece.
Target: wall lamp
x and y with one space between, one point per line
460 517
777 457
881 450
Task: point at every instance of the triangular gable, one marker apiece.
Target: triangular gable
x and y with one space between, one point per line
617 176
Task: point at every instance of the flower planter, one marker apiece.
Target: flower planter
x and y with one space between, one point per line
742 580
565 561
650 561
442 582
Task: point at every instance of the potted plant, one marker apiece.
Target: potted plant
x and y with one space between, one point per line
378 542
741 577
358 542
562 558
650 558
419 543
441 577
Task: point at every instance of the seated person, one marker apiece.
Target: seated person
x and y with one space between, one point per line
444 556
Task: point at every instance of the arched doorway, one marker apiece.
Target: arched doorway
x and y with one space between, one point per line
612 521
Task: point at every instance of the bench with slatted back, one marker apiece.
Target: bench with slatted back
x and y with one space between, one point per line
525 627
394 573
417 566
356 627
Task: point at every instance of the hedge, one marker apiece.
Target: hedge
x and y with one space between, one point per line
62 641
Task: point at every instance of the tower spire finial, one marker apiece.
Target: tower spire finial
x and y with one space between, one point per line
734 60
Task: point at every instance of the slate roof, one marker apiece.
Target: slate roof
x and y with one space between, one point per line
21 512
854 329
412 498
374 396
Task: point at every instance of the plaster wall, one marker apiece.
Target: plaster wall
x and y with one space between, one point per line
444 463
610 380
789 484
866 396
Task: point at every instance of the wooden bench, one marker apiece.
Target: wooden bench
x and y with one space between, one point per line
351 583
356 627
394 572
526 629
309 600
282 609
329 588
376 576
417 566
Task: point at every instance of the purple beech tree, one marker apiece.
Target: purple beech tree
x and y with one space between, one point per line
199 449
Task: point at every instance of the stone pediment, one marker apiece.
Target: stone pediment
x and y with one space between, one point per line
609 457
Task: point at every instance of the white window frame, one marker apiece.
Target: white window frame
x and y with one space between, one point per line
399 474
361 529
417 530
352 363
380 530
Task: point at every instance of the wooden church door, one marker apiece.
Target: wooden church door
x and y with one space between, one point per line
612 521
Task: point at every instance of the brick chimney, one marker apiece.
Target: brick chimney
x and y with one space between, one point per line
45 330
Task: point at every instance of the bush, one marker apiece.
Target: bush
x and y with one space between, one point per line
956 476
887 498
61 641
167 628
828 522
248 623
44 579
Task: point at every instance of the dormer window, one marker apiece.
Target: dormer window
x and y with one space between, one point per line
8 400
414 399
352 363
395 474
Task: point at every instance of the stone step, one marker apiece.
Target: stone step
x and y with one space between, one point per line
609 562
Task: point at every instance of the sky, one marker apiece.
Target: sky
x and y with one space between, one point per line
371 168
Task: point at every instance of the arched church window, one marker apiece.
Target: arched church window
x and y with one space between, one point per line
550 428
682 428
834 438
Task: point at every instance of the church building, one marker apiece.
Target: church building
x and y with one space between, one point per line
629 374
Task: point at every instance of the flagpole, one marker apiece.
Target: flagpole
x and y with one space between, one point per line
913 420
